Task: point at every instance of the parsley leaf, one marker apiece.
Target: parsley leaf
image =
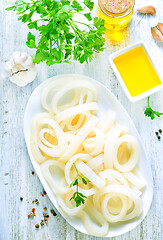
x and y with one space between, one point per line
88 16
149 112
76 6
31 40
59 38
89 4
77 196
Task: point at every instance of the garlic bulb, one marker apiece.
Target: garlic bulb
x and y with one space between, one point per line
20 69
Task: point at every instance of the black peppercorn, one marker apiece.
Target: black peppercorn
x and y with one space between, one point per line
37 226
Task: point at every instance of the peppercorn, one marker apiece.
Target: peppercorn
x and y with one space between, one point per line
37 226
44 214
33 201
32 214
53 212
21 199
44 192
42 223
159 137
160 130
37 202
45 208
156 133
46 219
33 172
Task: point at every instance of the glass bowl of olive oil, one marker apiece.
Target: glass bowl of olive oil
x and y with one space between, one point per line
116 13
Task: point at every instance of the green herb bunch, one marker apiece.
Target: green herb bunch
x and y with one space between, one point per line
149 112
60 36
78 197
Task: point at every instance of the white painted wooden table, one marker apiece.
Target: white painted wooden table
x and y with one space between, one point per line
16 179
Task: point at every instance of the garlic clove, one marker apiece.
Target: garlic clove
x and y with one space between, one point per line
16 57
9 65
29 62
147 9
23 56
7 69
160 26
157 35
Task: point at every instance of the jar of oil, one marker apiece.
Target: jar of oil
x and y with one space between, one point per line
116 13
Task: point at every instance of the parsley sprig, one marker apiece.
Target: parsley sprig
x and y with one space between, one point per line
77 196
149 112
60 35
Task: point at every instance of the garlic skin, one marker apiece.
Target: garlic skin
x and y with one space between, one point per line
160 26
154 22
157 32
20 69
147 9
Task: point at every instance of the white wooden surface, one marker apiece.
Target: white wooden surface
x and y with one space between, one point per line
16 179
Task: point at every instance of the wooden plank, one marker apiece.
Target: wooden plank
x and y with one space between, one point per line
16 179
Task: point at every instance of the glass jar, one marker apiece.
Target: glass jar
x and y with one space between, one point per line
116 13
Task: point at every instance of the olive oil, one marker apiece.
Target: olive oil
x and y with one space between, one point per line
137 71
115 20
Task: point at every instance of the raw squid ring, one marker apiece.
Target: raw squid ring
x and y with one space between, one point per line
70 86
42 136
107 121
85 93
68 166
115 175
134 156
114 217
47 175
66 203
51 87
56 150
112 136
82 119
126 191
94 145
79 138
50 90
34 138
71 112
96 162
90 174
90 213
72 127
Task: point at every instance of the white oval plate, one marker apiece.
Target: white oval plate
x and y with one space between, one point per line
106 100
